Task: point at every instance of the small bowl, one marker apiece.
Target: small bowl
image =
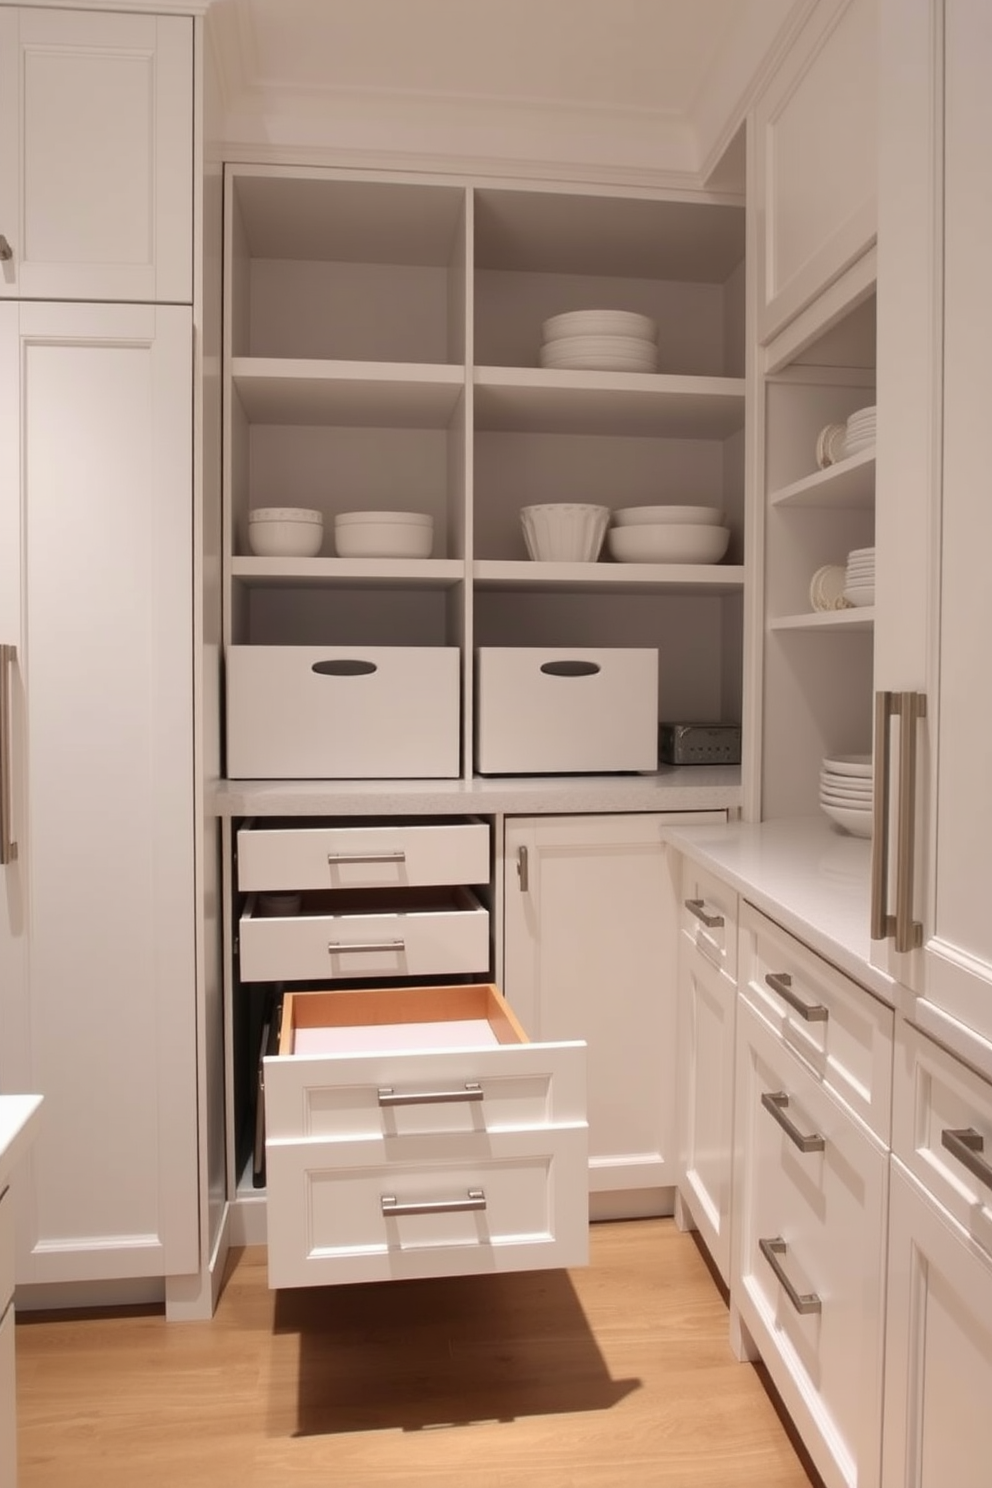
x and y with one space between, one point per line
636 516
564 532
285 532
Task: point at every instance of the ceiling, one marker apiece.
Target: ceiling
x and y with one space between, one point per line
606 88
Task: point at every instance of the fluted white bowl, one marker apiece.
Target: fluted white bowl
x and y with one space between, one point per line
564 531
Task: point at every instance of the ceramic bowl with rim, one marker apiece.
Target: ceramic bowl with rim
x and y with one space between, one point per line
285 532
671 542
564 531
639 516
600 323
858 823
383 534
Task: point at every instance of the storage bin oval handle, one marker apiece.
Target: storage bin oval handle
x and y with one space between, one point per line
344 666
570 668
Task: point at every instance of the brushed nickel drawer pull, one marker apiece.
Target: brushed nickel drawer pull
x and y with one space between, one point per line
698 908
967 1146
8 847
343 947
6 252
523 870
474 1199
802 1301
775 1102
908 932
470 1091
781 982
374 857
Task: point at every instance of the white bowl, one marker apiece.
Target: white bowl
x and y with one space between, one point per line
396 539
284 514
637 516
849 764
564 532
418 519
285 536
673 542
858 823
600 323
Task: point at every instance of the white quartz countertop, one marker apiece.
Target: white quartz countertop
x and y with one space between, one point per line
19 1115
671 788
805 874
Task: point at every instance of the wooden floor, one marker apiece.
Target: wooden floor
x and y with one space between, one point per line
618 1374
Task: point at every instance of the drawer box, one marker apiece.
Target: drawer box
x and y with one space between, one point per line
708 918
563 711
278 855
374 712
414 1131
367 932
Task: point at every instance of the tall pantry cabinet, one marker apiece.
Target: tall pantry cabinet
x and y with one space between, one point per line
97 921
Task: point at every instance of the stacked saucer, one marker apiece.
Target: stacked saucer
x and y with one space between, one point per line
859 577
826 588
600 341
846 792
860 431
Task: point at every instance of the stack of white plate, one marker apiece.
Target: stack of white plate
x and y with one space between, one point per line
600 341
859 577
846 791
860 431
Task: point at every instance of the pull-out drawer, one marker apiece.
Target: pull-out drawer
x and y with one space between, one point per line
942 1130
279 855
709 917
839 1029
366 932
415 1132
810 1200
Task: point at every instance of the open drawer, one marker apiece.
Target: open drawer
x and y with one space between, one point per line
415 1131
366 933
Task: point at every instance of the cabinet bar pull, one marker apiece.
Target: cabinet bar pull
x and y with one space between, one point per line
8 847
6 252
523 870
781 982
698 908
342 947
881 925
912 707
775 1102
967 1146
375 857
801 1301
474 1199
471 1091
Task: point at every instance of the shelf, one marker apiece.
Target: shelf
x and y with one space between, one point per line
850 483
398 395
366 573
639 403
855 619
609 578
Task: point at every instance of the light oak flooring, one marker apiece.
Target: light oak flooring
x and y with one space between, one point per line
616 1374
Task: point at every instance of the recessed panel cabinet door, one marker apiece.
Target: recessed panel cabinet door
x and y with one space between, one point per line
96 155
97 963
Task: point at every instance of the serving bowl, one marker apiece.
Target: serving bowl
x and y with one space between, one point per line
639 516
668 542
285 532
600 323
564 531
383 534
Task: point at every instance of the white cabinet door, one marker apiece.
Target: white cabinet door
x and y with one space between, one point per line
590 952
938 1373
97 968
707 1001
96 155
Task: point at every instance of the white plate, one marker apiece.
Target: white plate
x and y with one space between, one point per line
834 780
598 364
596 345
830 445
600 323
858 823
638 516
675 542
849 764
861 598
826 588
861 800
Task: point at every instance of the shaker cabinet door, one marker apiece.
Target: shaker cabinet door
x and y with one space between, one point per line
96 155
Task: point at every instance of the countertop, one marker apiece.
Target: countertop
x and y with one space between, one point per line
807 875
19 1116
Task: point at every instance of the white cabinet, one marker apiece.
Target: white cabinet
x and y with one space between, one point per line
96 155
590 951
97 958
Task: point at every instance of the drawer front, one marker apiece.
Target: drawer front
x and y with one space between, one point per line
840 1030
520 1205
708 917
355 857
811 1225
449 938
942 1130
6 1249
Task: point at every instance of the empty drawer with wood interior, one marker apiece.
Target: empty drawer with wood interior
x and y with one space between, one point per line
415 1131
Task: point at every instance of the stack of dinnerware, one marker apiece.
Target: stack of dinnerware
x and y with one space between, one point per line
600 341
830 445
846 792
860 431
859 577
826 588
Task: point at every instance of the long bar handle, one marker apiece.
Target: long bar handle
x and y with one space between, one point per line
6 252
698 908
908 932
775 1103
471 1091
8 847
802 1301
812 1012
399 856
881 923
475 1198
348 947
523 869
968 1146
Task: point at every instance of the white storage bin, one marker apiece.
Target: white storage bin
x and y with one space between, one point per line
541 711
331 712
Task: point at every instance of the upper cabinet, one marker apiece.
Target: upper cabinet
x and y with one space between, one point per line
815 172
96 156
